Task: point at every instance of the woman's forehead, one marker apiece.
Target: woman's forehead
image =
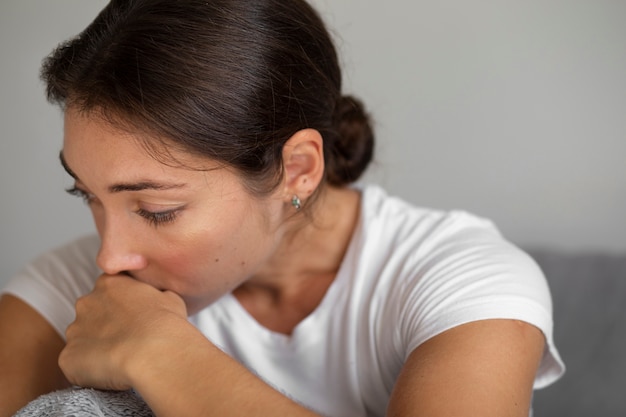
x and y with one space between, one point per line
92 143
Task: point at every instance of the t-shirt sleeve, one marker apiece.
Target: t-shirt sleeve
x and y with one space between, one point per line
471 273
53 282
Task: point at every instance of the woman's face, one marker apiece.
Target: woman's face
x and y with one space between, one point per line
198 233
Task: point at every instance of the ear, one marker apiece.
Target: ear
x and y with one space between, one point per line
303 163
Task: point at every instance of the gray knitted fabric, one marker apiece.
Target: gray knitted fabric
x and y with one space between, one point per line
87 403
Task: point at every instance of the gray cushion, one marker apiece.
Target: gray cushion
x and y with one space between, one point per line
86 403
589 293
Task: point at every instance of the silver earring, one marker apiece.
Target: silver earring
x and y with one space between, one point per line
295 202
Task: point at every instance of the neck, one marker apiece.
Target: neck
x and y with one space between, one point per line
295 279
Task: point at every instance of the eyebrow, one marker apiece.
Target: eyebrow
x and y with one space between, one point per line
66 167
120 187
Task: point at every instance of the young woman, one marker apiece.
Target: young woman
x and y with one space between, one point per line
236 270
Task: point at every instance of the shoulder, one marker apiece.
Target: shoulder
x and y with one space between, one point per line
441 258
393 216
435 270
425 238
425 262
438 269
75 258
53 282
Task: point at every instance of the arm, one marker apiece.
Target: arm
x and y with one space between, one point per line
128 334
482 369
208 382
29 351
485 368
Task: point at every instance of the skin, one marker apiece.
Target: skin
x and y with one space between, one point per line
197 233
29 351
217 238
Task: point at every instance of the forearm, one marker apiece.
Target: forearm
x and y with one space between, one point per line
188 375
128 334
17 390
29 348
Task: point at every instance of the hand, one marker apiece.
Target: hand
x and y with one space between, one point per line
116 325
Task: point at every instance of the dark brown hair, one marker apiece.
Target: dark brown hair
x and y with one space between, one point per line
231 80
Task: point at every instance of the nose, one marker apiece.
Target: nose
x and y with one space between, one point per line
119 251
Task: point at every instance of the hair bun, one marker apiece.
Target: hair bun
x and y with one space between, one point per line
352 150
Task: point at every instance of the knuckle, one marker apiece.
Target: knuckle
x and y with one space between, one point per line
63 361
70 331
81 304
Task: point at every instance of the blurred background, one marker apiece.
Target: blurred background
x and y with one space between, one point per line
515 111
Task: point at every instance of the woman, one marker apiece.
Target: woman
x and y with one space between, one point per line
236 271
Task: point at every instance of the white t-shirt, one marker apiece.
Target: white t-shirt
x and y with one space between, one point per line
408 275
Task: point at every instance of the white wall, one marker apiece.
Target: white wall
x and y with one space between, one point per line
512 110
35 212
515 110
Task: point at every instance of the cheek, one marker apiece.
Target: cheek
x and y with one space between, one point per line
187 256
198 260
192 272
233 249
205 257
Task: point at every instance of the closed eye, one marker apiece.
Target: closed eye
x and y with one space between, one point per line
88 198
160 217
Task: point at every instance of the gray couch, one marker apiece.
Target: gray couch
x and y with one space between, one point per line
589 293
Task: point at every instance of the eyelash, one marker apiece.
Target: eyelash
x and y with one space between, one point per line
85 196
153 218
158 218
